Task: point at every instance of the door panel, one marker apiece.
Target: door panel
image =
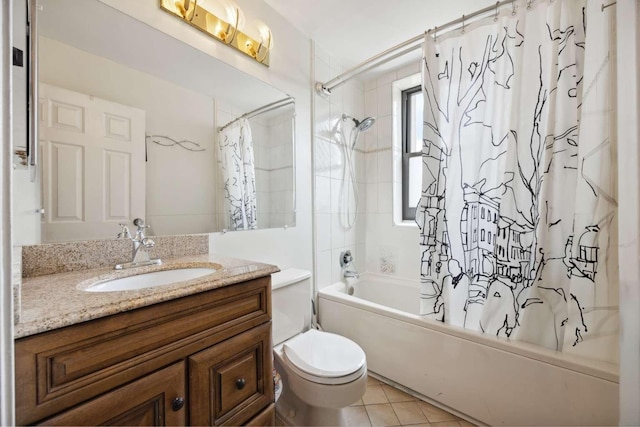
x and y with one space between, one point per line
93 173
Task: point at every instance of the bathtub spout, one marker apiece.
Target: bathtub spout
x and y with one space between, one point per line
351 273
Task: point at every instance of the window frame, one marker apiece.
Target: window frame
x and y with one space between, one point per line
408 212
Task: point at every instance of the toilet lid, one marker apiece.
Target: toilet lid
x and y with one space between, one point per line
324 355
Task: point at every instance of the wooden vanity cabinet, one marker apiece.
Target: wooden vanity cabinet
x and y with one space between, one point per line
203 359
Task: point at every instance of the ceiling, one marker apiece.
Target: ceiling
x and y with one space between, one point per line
355 30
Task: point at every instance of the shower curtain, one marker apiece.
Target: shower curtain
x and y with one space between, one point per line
238 174
517 214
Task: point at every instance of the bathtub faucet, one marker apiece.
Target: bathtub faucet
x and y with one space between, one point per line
351 273
345 262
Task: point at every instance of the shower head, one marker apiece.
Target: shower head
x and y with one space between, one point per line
365 124
361 125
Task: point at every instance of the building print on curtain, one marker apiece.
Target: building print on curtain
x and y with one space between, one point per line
518 210
238 174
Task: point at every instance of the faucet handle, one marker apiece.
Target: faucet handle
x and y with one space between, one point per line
124 233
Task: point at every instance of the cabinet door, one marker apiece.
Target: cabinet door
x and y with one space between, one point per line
153 400
231 382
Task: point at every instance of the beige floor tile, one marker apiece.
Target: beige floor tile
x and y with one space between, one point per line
465 423
436 415
358 403
420 425
408 413
374 395
357 416
382 415
395 395
446 424
372 381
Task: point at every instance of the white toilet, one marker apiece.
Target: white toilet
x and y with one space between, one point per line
322 373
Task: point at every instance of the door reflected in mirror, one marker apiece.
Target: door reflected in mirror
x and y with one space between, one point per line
128 128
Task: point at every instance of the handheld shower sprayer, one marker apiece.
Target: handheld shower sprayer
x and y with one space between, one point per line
359 126
348 147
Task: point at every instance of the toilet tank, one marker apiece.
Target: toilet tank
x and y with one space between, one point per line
290 303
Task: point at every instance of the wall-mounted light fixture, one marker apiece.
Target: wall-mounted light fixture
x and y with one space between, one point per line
224 21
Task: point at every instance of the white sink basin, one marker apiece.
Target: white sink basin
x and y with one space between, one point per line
150 280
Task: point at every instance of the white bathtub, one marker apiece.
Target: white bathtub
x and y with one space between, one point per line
490 380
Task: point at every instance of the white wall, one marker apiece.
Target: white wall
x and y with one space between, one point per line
289 72
172 173
26 222
628 21
7 401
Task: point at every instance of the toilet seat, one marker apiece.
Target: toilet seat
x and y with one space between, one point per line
325 358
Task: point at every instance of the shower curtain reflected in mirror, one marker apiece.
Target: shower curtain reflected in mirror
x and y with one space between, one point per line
518 207
238 174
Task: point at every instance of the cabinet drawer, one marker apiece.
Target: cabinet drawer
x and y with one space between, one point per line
148 401
62 368
266 418
232 381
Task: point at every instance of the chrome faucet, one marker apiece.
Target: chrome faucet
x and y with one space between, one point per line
351 273
345 262
139 256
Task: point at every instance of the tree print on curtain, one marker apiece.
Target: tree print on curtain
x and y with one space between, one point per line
238 175
518 209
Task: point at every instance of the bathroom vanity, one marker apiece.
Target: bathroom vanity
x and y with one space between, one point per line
200 356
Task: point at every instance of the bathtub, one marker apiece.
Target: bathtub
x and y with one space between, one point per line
484 378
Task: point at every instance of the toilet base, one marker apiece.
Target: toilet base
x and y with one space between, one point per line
294 412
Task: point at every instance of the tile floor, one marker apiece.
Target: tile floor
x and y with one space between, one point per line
383 405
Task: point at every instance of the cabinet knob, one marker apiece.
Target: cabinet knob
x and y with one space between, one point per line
177 403
240 383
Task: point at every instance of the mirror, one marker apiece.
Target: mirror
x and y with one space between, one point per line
129 120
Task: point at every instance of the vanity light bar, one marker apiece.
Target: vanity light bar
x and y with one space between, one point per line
225 32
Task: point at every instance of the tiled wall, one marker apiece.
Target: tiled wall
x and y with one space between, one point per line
332 184
390 249
377 244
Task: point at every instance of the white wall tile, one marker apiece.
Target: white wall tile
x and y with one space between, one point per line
336 195
323 266
337 231
323 232
385 201
386 79
323 194
369 140
322 157
384 166
385 131
371 202
350 236
371 102
384 100
371 167
336 270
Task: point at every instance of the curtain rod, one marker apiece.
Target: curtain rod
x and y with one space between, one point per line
324 89
260 110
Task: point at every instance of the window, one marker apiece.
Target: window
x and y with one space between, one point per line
482 213
482 235
475 236
412 122
489 237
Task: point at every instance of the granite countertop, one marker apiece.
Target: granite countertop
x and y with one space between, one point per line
57 300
